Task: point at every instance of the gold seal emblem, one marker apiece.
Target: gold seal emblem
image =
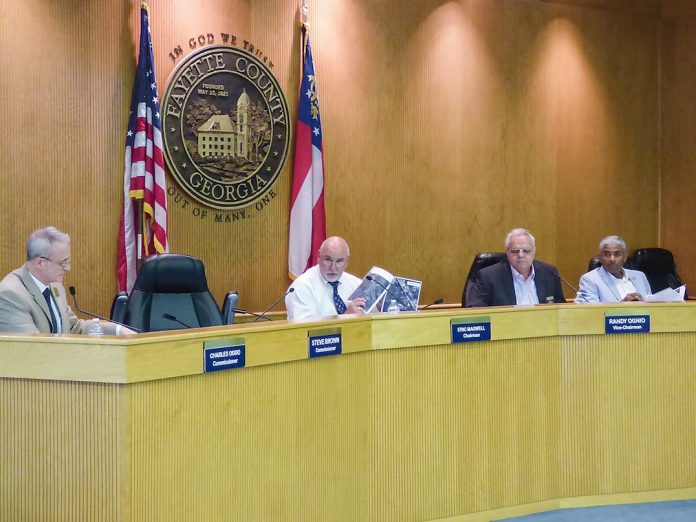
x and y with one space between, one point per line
225 127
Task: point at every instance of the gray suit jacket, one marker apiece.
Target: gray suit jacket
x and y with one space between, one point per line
23 308
599 286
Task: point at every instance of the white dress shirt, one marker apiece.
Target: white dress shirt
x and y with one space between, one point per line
525 290
313 295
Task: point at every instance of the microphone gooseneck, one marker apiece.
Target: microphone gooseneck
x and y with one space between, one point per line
435 302
242 311
408 306
262 315
173 318
566 282
73 293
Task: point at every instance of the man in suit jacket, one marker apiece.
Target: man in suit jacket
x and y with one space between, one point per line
33 299
611 282
519 280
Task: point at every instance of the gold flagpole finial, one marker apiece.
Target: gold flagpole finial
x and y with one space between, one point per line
143 5
304 9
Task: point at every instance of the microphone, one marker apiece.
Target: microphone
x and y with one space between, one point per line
240 311
566 282
263 314
408 306
435 302
73 292
173 318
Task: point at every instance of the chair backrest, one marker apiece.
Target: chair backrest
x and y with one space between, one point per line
229 307
481 260
172 284
658 266
594 263
119 307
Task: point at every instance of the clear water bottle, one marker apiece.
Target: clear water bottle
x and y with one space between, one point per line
393 307
94 328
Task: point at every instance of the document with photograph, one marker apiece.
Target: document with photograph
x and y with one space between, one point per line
379 287
406 293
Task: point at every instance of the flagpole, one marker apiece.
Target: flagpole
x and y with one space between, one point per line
304 14
139 235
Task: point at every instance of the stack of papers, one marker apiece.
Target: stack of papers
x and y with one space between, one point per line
668 295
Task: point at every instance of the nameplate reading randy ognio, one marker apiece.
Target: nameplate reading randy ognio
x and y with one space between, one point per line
223 354
326 341
635 321
470 329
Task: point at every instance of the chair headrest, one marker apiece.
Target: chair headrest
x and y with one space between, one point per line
484 259
653 260
171 273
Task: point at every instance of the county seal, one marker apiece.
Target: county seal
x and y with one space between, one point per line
225 127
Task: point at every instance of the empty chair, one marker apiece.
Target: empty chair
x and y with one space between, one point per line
170 292
481 260
658 266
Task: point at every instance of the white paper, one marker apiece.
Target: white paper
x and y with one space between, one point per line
668 295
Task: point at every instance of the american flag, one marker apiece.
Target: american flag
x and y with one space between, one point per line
143 228
307 215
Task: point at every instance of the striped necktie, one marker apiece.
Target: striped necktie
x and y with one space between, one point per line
53 321
338 302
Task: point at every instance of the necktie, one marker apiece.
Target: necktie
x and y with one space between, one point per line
54 322
338 302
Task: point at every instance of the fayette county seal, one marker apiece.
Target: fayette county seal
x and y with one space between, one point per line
225 127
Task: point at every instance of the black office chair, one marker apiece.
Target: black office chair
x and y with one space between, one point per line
174 285
594 263
658 266
481 260
119 307
229 307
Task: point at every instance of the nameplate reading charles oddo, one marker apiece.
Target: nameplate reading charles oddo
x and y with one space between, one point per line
323 342
636 321
223 354
470 329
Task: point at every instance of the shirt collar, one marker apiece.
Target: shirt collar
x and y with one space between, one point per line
519 277
41 286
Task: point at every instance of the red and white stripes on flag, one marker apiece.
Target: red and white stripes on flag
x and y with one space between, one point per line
143 228
307 215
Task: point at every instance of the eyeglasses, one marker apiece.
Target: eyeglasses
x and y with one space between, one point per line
63 264
328 261
518 251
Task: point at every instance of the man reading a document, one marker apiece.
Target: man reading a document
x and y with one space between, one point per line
323 290
32 298
611 282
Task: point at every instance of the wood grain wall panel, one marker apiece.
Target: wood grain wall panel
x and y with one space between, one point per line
63 449
678 154
446 124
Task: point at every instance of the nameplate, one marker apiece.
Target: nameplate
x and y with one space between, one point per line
223 354
470 329
626 322
324 342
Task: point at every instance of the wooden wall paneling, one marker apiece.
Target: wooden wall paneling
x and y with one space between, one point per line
678 117
446 125
495 132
